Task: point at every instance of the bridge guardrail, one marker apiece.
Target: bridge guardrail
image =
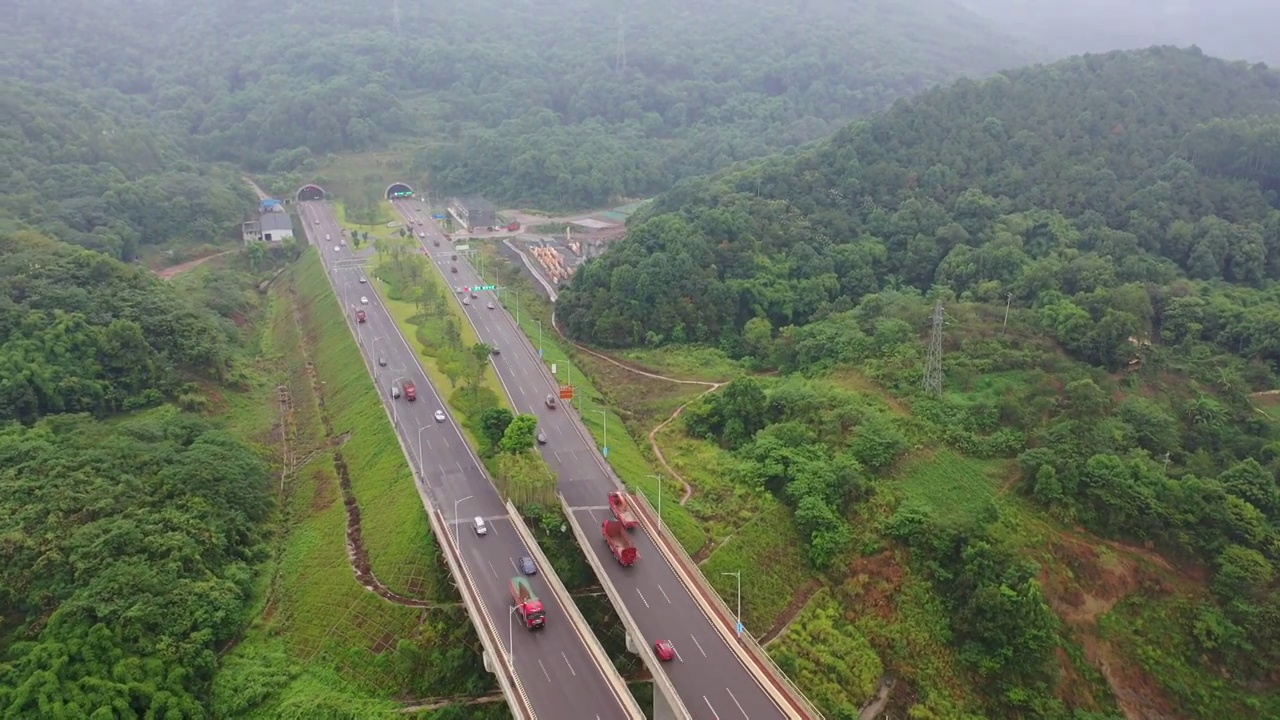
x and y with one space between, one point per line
796 700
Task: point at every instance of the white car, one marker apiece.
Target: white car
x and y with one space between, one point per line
337 249
439 416
364 280
317 221
490 306
364 300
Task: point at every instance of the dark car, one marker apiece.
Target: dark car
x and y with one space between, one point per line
528 566
382 362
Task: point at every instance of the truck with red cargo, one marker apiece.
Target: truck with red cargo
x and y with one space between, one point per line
410 392
622 510
615 534
527 604
360 316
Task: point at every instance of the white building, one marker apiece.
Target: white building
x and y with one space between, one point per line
275 226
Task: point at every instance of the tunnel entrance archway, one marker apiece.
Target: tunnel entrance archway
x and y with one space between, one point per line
399 191
310 192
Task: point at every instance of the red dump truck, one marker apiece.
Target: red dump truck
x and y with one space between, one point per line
526 603
410 392
622 510
360 316
615 534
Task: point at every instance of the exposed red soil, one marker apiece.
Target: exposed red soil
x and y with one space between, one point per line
175 270
875 580
1090 589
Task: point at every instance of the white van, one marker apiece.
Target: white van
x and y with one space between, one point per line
479 526
327 236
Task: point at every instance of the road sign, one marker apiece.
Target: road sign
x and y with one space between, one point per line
553 368
740 628
478 288
566 392
462 248
437 217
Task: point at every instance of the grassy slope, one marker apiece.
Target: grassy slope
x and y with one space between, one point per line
318 633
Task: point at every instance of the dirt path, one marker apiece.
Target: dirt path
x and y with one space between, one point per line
170 272
256 188
788 616
356 551
687 488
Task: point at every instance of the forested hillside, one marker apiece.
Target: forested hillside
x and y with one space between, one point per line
519 100
1233 29
1104 234
1063 185
80 165
126 541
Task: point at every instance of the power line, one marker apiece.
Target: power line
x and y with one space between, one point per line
933 365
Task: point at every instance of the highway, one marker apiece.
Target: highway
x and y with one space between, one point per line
708 675
555 668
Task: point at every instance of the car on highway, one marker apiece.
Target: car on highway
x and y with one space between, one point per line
665 651
439 416
542 438
337 249
382 362
395 392
466 300
364 300
490 304
363 280
478 525
317 221
453 268
528 566
495 351
551 401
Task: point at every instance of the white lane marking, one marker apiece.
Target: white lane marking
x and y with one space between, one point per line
426 444
593 516
544 671
513 564
664 594
491 569
442 471
735 702
695 642
566 662
646 602
714 714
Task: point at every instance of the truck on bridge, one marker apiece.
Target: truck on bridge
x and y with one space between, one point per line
615 534
622 510
526 603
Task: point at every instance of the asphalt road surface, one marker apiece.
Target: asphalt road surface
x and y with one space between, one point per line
711 680
553 663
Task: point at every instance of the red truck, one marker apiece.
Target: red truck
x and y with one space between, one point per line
622 510
410 392
527 604
513 226
360 316
615 534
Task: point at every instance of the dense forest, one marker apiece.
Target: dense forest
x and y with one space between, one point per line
79 165
1122 210
126 541
536 105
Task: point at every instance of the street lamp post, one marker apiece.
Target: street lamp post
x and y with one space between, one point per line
659 479
456 503
511 636
738 574
421 457
605 415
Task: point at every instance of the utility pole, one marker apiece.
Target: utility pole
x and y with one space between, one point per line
933 363
620 62
1008 300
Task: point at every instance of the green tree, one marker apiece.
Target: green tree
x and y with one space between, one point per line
520 434
494 422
